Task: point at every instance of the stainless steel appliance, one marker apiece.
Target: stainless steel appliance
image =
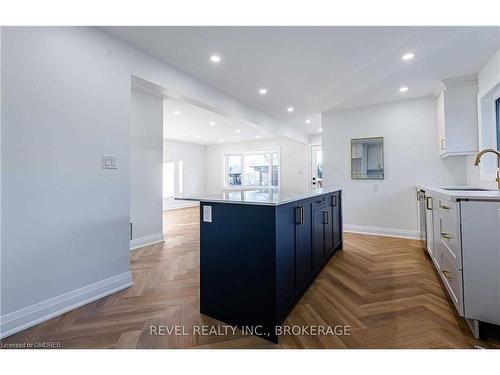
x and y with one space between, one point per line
422 213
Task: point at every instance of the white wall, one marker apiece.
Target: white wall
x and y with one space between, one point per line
146 157
315 139
65 221
193 170
410 135
295 162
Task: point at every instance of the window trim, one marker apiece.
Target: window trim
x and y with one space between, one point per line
497 106
242 155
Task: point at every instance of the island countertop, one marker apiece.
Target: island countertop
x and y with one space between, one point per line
265 197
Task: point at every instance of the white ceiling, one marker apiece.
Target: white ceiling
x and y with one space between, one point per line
315 69
193 124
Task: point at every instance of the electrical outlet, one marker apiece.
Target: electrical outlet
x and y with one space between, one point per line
109 162
376 187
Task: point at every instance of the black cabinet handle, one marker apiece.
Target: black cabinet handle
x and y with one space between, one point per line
334 201
299 215
325 217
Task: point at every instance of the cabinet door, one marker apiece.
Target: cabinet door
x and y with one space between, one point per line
336 220
436 235
429 225
303 243
318 238
328 223
285 257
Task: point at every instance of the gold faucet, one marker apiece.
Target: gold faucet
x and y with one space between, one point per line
478 159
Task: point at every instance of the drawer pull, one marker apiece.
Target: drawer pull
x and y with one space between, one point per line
445 235
443 206
428 200
446 273
299 215
321 201
334 201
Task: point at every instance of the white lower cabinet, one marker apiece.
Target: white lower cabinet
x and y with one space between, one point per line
481 260
453 281
446 252
463 241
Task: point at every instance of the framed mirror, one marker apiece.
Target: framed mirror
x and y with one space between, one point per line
367 158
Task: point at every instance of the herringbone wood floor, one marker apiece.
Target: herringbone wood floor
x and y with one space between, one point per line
384 288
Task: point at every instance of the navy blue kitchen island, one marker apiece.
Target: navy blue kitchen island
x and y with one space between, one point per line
260 250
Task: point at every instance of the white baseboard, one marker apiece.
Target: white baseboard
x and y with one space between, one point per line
379 231
146 241
40 312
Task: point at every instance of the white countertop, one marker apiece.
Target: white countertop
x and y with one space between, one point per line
266 197
456 195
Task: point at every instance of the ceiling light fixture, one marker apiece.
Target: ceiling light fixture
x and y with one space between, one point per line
220 141
177 112
403 89
215 58
320 130
408 56
212 123
258 137
263 91
198 136
290 109
238 131
308 121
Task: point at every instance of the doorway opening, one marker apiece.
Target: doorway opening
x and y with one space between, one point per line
316 167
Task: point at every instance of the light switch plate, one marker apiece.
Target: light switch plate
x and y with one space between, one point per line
207 214
109 162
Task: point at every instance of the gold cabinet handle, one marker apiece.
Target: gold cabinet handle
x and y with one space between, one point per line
428 200
445 235
446 273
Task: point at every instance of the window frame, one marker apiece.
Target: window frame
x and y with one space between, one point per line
497 107
243 185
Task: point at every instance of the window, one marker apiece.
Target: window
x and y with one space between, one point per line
498 123
233 170
256 169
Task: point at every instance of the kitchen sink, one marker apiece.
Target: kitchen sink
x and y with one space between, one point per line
466 189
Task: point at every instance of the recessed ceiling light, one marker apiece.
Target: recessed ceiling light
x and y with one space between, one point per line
220 141
263 91
408 56
290 109
198 136
308 121
320 129
177 112
238 131
258 137
403 89
212 123
215 58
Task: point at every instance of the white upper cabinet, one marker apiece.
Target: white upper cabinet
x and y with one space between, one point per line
457 117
